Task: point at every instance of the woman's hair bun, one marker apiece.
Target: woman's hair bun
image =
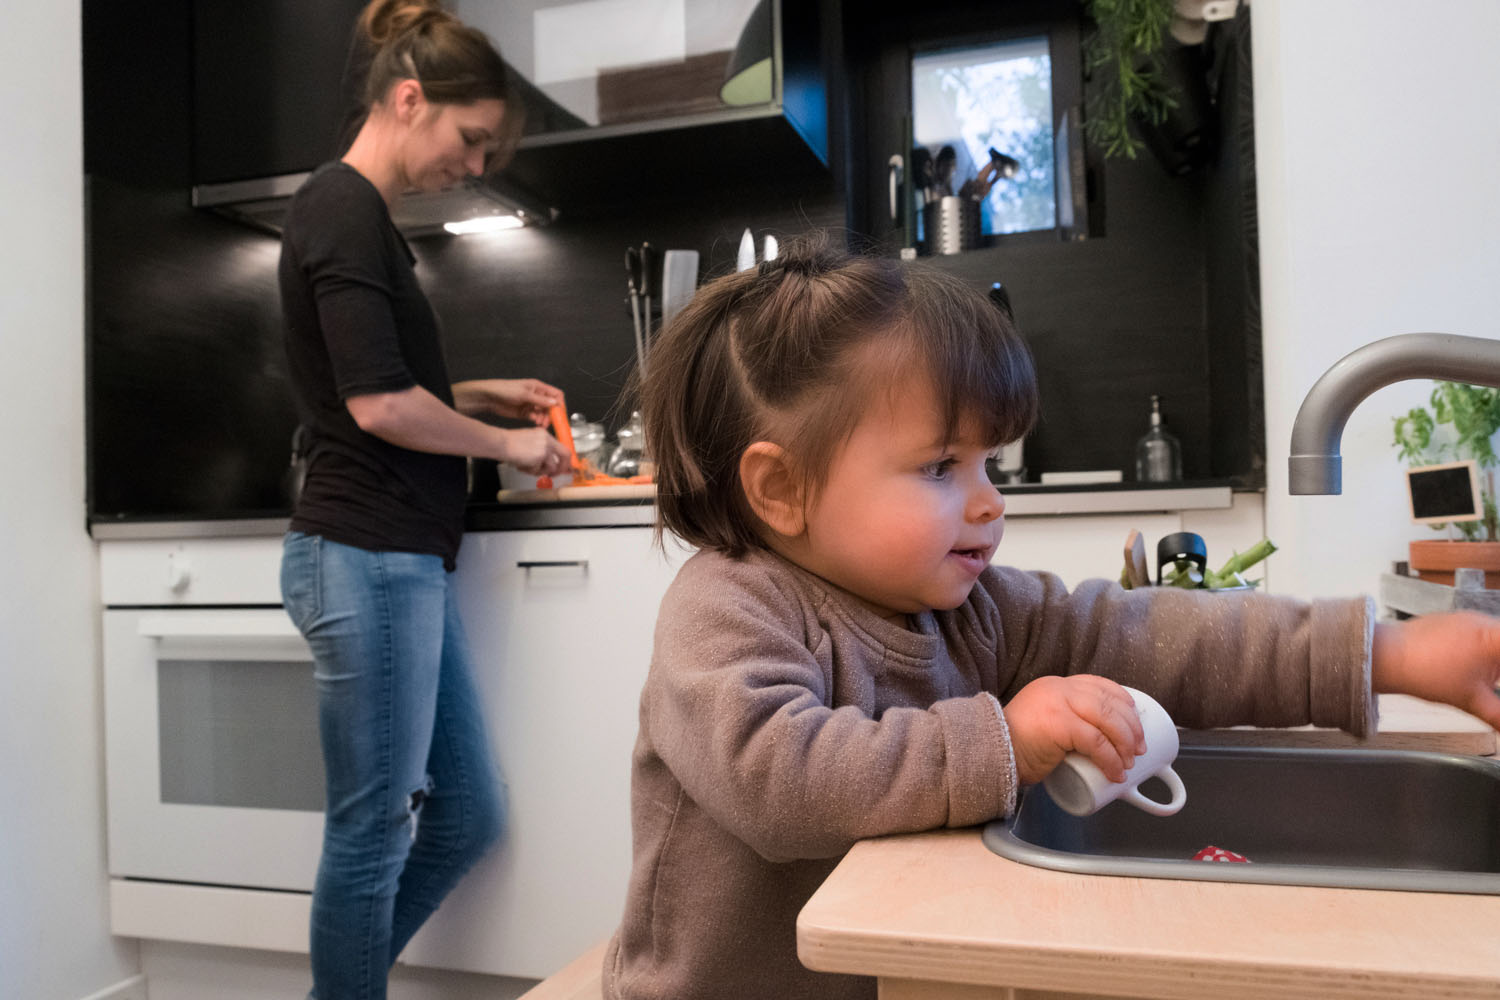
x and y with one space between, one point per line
384 21
422 40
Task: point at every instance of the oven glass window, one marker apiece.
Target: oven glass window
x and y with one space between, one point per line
239 733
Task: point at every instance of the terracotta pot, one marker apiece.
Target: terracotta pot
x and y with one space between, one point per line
1436 560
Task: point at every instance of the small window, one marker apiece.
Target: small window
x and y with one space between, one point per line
969 103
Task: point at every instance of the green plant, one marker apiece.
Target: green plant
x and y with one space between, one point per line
1124 52
1231 574
1473 414
1186 575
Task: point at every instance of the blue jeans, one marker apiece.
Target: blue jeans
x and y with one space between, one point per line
413 799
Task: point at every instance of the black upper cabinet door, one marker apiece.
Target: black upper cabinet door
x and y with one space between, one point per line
268 85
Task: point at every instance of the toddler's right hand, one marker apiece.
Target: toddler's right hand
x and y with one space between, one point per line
1090 714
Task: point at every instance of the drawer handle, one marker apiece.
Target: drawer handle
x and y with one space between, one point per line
201 625
582 564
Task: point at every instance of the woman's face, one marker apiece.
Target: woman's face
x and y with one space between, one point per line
449 142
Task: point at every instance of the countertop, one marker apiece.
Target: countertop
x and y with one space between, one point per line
928 911
1021 500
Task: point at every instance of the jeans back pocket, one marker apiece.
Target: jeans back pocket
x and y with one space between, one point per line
301 578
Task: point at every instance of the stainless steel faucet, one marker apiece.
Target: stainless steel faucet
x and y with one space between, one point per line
1315 465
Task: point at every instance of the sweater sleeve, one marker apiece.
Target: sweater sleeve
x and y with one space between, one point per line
741 712
1211 659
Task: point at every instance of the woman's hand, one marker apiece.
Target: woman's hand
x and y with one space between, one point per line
536 452
1452 658
517 398
1093 715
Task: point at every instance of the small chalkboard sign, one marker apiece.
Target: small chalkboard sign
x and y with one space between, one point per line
1447 492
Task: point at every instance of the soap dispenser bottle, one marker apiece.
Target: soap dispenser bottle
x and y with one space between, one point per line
1158 456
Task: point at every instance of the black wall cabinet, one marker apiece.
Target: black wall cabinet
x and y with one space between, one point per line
268 92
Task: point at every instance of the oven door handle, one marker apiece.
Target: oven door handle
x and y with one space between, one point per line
201 625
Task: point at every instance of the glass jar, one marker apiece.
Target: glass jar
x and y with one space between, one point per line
588 438
629 455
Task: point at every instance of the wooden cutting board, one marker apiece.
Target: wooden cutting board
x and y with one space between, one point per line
574 494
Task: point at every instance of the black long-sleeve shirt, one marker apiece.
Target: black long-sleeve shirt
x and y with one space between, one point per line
357 322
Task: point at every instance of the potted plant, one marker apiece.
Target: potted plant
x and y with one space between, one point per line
1125 51
1149 85
1459 424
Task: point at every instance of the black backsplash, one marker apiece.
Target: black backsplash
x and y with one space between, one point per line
191 408
551 302
189 405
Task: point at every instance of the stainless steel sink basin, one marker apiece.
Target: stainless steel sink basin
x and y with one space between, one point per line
1360 819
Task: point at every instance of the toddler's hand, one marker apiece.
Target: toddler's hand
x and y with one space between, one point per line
1090 714
1452 658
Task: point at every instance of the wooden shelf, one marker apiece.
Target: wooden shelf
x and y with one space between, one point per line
1407 596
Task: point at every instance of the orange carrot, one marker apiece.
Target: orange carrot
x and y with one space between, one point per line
558 413
584 472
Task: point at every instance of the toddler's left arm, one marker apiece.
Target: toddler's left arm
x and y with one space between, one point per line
1452 658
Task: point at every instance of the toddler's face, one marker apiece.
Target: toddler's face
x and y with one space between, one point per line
906 521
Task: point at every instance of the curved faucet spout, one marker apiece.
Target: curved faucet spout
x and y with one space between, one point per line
1315 464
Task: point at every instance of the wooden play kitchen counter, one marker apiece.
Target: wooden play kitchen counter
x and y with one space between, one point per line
938 915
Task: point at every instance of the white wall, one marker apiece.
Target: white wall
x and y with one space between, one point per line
1377 138
54 938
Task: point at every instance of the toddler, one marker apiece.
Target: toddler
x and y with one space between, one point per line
841 659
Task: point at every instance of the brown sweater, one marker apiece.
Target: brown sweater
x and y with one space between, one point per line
782 721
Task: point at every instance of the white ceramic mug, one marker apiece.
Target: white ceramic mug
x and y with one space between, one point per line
1079 787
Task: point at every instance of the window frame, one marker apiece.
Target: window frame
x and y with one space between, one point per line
1070 168
887 105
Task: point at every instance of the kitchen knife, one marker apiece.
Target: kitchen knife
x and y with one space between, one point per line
633 278
745 259
648 273
679 281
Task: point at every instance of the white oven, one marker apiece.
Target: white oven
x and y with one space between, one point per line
213 769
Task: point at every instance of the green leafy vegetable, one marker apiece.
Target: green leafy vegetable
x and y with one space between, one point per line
1186 575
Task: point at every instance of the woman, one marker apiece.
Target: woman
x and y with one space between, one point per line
412 795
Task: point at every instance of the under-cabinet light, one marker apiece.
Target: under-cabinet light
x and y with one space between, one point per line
483 224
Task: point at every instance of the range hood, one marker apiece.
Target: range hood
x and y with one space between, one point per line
262 202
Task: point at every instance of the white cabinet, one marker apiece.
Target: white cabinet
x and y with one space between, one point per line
560 622
1079 547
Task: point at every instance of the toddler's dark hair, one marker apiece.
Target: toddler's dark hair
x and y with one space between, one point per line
772 353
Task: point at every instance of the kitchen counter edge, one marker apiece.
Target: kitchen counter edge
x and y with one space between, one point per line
1025 501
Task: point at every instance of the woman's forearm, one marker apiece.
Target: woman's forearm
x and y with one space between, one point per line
472 398
414 418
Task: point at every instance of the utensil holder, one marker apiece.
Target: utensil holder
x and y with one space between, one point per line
951 224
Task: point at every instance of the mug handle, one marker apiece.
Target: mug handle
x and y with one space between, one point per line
1179 795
